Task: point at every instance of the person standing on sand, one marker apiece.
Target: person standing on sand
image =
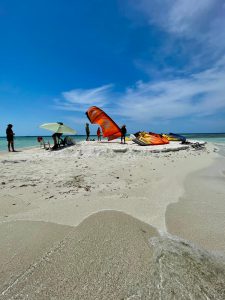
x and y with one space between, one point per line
87 132
10 137
123 130
99 134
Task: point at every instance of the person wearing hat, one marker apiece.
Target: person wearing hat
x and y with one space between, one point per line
10 137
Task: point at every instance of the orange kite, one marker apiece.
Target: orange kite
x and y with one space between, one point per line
109 128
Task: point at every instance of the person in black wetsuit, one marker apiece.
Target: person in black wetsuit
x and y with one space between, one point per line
10 137
87 132
123 133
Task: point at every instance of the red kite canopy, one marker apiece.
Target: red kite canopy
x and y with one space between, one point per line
109 128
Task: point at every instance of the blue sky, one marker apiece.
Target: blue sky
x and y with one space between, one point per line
154 65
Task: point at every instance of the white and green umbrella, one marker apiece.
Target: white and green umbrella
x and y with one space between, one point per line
58 128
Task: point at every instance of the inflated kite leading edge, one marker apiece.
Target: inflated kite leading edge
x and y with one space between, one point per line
109 128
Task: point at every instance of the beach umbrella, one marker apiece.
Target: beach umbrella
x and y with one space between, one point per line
58 128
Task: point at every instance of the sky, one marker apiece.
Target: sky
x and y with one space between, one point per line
154 65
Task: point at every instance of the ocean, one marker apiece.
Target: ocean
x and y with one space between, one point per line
22 142
31 141
207 137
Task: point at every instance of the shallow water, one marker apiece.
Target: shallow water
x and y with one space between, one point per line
207 137
221 148
31 141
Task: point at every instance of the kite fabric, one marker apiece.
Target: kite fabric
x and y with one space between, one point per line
109 128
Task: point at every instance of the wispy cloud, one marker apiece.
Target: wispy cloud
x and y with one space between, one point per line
199 96
196 28
182 17
81 99
186 17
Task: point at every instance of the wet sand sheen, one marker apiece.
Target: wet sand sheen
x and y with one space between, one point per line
199 216
111 255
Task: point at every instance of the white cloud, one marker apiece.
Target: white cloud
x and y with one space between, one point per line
80 99
187 16
200 96
198 25
181 16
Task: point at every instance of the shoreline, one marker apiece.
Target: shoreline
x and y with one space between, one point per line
18 150
199 215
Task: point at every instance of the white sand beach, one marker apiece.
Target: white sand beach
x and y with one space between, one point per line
93 221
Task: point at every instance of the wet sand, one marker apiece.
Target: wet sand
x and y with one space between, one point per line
111 255
199 216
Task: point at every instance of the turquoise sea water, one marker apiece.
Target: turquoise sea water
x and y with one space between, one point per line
21 142
31 141
207 137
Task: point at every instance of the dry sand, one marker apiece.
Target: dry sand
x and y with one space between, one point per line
45 195
66 186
